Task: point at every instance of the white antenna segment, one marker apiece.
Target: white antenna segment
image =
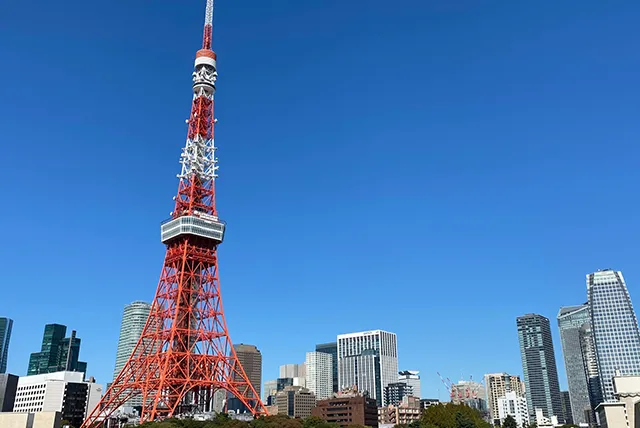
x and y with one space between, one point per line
208 16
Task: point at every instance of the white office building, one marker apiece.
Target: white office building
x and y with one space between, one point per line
134 318
297 372
292 371
412 379
319 378
515 405
63 392
368 361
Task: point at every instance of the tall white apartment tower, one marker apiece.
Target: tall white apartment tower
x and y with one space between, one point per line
368 361
319 375
134 318
411 378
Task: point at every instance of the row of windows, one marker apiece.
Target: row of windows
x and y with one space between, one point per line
31 387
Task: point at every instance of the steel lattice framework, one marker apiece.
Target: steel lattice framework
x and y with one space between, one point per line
185 354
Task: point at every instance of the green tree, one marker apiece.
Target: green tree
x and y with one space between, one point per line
316 422
509 422
463 421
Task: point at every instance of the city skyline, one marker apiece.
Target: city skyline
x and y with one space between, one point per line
563 184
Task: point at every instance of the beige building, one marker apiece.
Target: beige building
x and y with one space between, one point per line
295 402
497 385
404 413
31 420
625 413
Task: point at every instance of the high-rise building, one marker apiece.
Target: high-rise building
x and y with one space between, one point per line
296 372
570 320
566 407
6 324
57 353
395 392
368 361
590 362
331 349
319 379
8 389
64 392
514 405
134 318
295 402
539 366
498 385
250 358
292 370
411 378
615 328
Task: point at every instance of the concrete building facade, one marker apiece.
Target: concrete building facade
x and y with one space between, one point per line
295 402
395 392
514 405
404 413
8 389
368 361
319 374
615 328
348 408
498 385
411 378
296 372
31 420
6 325
539 366
64 392
625 410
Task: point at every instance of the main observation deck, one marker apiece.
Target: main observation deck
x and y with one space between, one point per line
199 224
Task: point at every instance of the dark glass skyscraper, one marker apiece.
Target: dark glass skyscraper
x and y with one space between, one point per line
615 328
331 349
57 352
6 325
539 366
570 320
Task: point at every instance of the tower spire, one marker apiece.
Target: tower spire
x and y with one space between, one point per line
184 354
208 26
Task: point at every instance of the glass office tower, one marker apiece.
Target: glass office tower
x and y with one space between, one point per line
614 328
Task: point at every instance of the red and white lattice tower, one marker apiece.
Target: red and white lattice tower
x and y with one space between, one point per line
185 354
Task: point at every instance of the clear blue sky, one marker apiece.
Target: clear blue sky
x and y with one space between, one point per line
431 168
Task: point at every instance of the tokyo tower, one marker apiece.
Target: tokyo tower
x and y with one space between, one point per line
185 354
